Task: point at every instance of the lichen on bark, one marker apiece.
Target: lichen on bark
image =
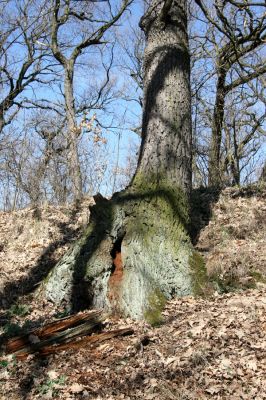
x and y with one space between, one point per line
146 224
149 220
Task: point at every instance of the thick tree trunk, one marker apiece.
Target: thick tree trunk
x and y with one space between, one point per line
231 163
215 172
166 131
235 167
136 252
2 121
263 174
74 164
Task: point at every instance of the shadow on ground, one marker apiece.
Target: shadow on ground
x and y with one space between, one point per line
27 284
202 201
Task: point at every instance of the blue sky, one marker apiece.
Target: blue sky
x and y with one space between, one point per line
119 115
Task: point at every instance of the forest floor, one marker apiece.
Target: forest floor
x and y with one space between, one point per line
205 348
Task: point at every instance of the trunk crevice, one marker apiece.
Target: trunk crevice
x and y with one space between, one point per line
124 263
136 252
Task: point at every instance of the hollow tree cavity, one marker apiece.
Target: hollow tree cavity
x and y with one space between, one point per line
136 253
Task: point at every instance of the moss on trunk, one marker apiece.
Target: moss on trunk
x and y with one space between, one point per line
146 225
136 253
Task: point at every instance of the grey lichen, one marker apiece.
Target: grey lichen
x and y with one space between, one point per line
199 276
156 303
158 259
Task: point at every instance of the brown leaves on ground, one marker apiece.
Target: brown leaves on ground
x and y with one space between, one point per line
234 241
205 349
32 241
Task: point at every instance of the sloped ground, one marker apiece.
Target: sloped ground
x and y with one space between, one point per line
205 349
234 241
212 348
31 241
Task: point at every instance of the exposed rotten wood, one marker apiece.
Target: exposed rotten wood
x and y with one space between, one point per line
60 337
51 330
90 341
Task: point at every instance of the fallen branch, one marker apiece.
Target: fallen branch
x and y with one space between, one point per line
63 334
42 335
90 341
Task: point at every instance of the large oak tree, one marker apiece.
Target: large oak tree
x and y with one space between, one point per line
136 252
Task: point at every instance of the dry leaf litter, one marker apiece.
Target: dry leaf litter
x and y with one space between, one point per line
211 348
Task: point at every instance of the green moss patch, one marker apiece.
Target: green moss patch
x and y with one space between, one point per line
257 276
153 313
199 274
157 189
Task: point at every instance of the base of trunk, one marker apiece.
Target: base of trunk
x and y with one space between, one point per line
134 255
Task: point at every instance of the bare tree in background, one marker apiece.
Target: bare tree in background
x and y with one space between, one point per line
236 33
67 48
24 60
136 252
244 119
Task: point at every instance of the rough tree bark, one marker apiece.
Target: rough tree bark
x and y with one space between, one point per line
74 161
217 126
68 66
136 252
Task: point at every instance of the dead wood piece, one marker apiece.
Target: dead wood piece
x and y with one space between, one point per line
91 341
60 337
51 330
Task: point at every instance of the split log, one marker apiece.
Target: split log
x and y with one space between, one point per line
89 320
91 341
60 337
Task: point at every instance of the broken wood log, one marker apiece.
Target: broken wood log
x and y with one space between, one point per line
60 337
91 341
91 318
